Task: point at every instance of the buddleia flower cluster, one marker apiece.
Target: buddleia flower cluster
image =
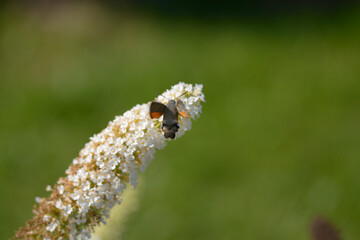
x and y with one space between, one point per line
105 166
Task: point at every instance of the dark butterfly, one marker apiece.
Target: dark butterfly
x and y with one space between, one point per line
171 112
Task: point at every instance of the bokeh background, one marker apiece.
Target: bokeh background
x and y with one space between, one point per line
279 138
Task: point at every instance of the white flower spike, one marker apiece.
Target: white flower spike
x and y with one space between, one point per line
111 160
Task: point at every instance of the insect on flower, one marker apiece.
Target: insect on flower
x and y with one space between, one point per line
111 161
171 111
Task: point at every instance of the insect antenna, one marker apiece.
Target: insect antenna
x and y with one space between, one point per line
164 96
182 94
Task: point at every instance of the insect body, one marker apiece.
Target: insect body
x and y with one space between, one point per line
171 112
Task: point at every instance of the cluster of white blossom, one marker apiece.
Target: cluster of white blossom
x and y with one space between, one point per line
112 159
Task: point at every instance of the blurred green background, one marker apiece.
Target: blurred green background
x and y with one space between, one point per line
277 143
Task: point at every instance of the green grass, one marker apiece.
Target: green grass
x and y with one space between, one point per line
277 143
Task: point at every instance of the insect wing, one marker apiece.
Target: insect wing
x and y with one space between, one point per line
182 109
156 109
